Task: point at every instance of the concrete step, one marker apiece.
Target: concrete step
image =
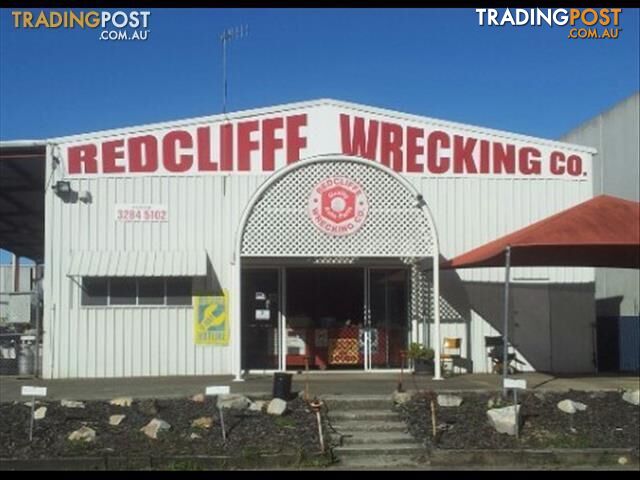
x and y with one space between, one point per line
369 438
357 402
371 450
380 462
336 415
370 426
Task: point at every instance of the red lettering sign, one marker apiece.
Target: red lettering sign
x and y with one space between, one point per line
266 144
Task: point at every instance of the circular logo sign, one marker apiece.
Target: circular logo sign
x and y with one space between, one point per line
338 206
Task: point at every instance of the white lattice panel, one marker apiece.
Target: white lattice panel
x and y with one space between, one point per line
279 224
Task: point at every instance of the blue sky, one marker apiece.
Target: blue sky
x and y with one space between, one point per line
433 62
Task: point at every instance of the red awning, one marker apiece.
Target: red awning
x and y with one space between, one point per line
601 232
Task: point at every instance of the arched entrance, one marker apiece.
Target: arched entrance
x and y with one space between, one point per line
331 214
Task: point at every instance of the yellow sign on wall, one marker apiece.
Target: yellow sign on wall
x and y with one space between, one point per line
211 319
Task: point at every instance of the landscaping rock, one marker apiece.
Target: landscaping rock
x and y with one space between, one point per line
148 407
71 404
449 400
632 397
194 436
571 407
83 434
540 396
40 413
234 401
154 427
122 401
198 398
202 422
609 422
277 406
503 419
400 398
257 406
295 432
115 420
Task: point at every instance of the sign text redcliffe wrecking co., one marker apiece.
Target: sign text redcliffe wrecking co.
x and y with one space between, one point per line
262 145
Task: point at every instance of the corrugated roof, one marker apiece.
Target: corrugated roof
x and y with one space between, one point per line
182 263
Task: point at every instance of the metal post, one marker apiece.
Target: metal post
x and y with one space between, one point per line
316 406
224 433
36 371
33 406
320 431
15 263
224 37
236 317
436 314
505 340
515 406
306 378
283 324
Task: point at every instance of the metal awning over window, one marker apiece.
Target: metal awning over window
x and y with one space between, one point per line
183 263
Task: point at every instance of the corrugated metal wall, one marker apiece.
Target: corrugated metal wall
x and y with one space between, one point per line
629 338
616 169
470 212
204 212
136 341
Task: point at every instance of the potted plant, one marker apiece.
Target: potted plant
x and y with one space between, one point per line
421 357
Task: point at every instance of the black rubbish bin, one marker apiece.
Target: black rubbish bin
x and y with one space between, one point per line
282 385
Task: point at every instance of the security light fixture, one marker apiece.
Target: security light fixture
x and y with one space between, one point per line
62 188
85 196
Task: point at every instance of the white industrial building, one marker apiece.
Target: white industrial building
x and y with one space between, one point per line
615 134
260 239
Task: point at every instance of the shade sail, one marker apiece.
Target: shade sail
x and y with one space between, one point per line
138 263
601 232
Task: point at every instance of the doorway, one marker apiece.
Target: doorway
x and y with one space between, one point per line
324 318
261 318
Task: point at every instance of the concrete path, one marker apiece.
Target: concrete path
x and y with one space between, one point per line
320 383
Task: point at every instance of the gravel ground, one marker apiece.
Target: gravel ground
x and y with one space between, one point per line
608 422
248 433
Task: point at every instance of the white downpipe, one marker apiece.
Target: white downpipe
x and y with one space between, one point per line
436 313
235 300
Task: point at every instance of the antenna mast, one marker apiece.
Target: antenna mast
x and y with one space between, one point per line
225 37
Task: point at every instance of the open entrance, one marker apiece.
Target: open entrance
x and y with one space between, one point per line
326 318
337 239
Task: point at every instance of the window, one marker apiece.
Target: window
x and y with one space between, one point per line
122 291
151 291
147 291
179 291
95 291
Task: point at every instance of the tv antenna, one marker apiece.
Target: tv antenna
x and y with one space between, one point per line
225 37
